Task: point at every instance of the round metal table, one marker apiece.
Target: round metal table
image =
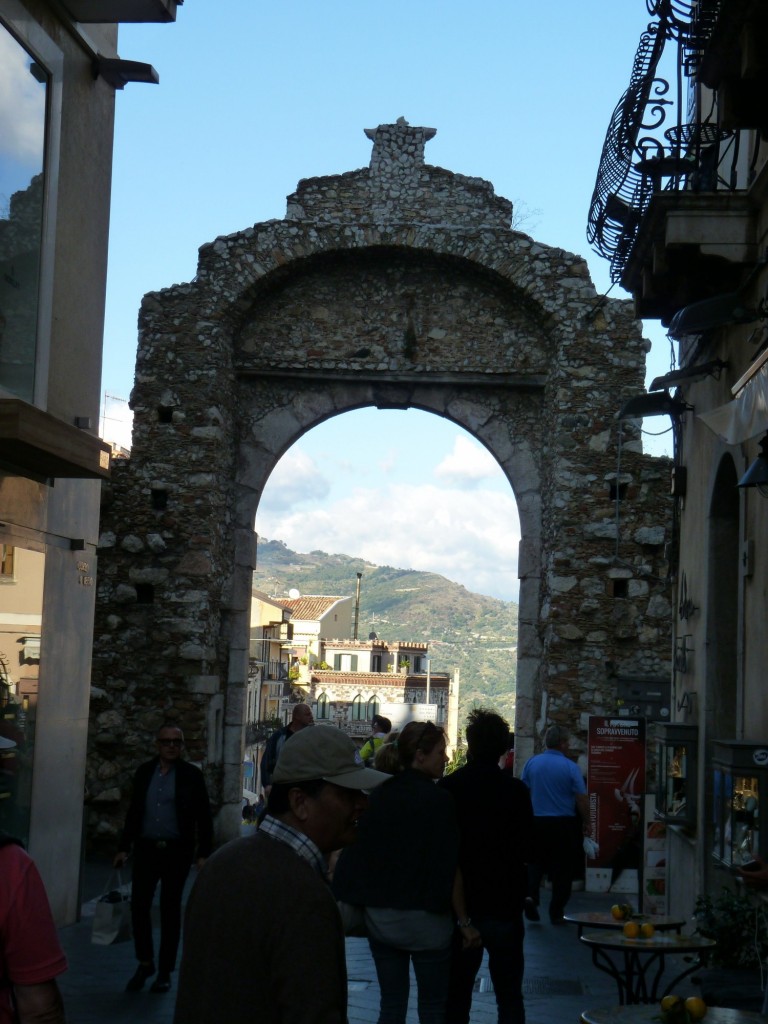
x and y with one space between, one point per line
637 965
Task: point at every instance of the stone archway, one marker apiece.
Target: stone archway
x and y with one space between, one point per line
400 285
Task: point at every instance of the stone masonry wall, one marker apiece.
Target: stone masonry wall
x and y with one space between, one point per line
397 286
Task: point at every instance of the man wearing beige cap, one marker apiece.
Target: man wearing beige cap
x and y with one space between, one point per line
262 935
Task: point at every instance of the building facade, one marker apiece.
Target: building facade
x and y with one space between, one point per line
59 81
269 659
681 211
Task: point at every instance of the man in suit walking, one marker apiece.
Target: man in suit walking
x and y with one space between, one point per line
168 822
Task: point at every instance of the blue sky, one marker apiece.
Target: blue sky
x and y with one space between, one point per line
255 95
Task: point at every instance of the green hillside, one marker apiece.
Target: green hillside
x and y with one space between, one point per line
471 632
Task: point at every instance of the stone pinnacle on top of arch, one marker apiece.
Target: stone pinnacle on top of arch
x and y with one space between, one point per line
398 146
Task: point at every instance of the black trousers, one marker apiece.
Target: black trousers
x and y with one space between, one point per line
506 964
558 850
169 865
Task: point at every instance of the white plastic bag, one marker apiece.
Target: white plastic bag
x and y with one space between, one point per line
112 914
591 848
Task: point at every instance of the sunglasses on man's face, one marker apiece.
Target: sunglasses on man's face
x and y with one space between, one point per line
171 743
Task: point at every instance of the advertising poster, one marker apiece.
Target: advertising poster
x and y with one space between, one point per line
616 787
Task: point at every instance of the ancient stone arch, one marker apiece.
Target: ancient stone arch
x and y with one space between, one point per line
400 285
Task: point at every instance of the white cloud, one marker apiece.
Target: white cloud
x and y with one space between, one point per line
295 480
467 464
116 425
470 537
22 105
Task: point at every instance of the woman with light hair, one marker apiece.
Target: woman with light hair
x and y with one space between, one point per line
403 871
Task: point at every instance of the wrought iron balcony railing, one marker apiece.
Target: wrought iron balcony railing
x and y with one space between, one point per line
703 20
640 155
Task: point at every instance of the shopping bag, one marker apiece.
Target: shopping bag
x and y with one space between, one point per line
112 914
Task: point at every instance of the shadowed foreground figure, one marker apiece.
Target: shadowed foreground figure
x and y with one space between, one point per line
30 954
496 828
263 939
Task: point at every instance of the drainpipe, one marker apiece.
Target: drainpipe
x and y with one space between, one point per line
357 605
429 676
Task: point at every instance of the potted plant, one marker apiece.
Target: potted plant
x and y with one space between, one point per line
738 922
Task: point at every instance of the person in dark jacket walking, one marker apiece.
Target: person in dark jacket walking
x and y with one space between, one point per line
403 871
300 718
168 821
495 820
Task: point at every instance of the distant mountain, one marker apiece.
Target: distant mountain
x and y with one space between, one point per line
471 632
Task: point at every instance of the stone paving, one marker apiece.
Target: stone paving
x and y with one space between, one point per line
560 980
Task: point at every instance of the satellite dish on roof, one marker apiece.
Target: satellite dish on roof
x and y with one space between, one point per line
294 593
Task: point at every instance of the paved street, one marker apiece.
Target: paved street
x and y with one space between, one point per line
560 980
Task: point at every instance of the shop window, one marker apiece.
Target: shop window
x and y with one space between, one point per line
20 678
677 746
22 195
739 807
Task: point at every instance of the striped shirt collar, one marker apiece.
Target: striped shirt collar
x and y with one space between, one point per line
298 842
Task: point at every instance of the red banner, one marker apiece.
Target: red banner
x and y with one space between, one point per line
616 786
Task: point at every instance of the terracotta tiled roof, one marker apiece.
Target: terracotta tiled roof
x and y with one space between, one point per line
310 607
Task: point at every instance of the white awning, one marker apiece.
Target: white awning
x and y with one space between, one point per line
746 416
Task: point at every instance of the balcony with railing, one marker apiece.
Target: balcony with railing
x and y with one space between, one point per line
670 209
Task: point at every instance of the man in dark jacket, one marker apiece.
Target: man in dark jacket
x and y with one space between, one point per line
495 827
263 939
300 719
169 815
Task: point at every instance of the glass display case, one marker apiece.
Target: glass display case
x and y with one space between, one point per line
677 747
739 788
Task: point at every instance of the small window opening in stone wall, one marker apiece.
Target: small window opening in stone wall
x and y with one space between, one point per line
617 491
165 414
618 588
159 498
145 593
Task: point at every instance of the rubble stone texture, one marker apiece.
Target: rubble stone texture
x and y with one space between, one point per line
398 286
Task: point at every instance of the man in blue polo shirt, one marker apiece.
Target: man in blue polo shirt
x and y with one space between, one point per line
561 816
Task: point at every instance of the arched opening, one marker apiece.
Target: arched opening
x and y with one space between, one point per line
723 602
426 516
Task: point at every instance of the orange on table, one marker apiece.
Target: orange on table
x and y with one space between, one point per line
669 1001
631 929
647 930
696 1007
